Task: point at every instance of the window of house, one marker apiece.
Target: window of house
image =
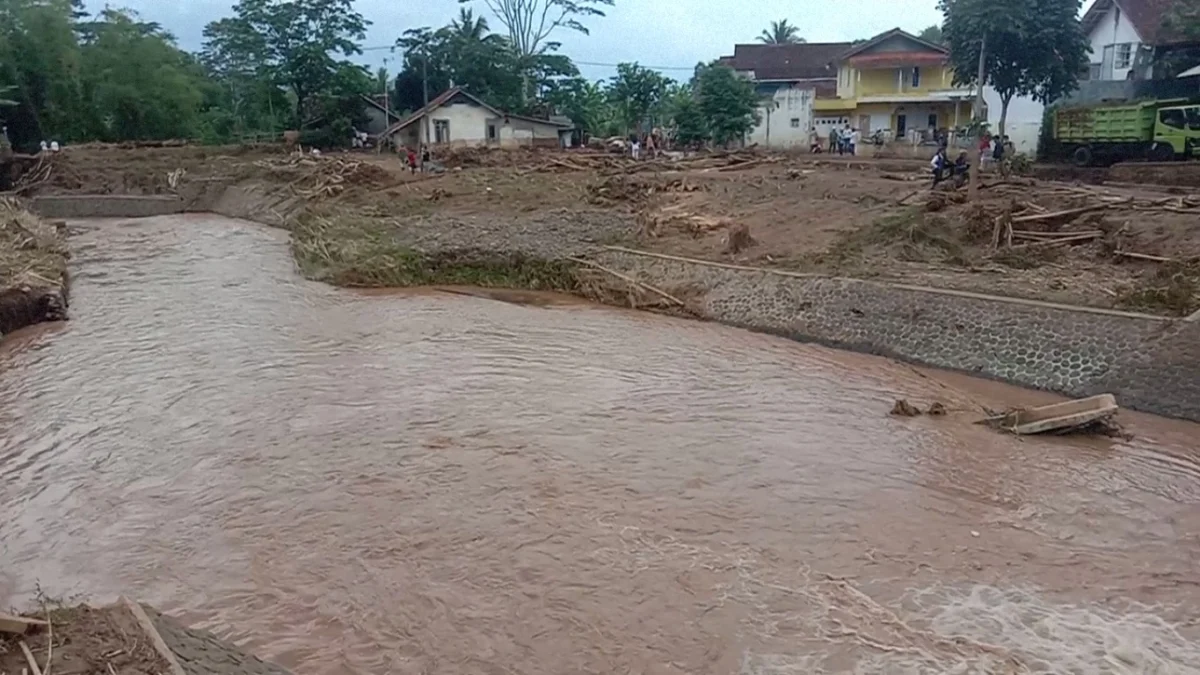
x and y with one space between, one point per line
1124 56
441 131
1172 117
491 132
933 121
1093 71
916 76
795 122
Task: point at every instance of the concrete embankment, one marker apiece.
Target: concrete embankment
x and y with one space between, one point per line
1151 363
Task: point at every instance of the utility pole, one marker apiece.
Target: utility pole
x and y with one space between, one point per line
425 86
977 122
387 106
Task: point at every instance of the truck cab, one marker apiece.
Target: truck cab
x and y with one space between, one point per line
1176 133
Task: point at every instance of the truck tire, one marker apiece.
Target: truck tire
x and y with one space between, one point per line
1082 156
1162 152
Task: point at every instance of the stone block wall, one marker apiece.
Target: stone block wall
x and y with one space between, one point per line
1150 363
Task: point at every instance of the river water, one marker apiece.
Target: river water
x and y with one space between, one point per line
438 483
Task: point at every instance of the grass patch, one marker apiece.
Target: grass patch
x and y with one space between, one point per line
363 252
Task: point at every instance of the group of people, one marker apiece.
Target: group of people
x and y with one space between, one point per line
992 152
650 143
843 141
411 159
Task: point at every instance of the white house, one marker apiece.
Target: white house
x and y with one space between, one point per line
1124 36
457 118
789 78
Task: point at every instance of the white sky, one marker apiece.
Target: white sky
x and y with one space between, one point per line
674 33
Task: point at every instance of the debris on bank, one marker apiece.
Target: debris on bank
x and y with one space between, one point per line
1084 415
33 268
903 408
113 640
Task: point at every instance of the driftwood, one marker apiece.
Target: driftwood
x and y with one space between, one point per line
1144 256
17 624
630 280
1060 214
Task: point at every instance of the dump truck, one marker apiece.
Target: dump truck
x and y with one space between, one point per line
1157 131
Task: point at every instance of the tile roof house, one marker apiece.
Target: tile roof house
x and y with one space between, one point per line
457 118
1128 36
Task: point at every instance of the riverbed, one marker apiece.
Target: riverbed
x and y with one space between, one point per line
434 482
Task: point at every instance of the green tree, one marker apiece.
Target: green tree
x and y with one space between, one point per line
781 33
586 103
138 84
40 62
635 91
1030 47
932 34
728 102
293 43
691 127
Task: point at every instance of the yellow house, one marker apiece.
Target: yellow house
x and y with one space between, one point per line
898 83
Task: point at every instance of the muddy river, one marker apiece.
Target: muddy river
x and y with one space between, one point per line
439 483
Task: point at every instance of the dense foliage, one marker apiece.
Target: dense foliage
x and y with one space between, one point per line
273 65
1030 47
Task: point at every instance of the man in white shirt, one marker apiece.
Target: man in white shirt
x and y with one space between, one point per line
854 138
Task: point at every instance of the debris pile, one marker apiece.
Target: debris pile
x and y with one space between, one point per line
902 408
33 252
324 177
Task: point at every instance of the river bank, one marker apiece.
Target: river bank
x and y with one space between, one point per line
1070 319
34 284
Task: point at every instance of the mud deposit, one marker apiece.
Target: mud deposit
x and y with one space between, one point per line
439 483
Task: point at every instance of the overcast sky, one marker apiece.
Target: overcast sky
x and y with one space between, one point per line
661 33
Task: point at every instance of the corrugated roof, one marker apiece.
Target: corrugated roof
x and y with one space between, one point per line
804 61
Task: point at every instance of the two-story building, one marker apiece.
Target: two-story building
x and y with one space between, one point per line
1128 37
899 84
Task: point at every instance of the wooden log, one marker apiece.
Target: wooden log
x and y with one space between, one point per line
17 624
1061 214
1144 256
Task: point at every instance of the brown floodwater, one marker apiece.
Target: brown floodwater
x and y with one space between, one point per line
441 482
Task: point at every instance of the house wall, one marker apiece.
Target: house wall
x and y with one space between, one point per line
891 81
469 126
519 132
1114 28
1024 122
785 123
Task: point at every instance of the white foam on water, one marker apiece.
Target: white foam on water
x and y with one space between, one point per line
1060 638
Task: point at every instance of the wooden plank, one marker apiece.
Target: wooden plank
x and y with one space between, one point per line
156 640
1061 214
17 624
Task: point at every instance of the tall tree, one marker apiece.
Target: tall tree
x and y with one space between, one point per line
1030 47
635 91
530 23
294 42
781 33
142 84
932 34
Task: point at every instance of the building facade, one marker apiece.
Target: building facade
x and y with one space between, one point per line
455 118
899 85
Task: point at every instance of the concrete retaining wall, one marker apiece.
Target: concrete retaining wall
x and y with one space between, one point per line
105 206
1150 363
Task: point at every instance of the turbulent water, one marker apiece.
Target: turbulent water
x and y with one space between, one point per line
439 483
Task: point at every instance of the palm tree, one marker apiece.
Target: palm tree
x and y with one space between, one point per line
469 29
781 33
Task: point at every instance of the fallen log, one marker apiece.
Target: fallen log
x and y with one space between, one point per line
1144 256
10 623
1061 214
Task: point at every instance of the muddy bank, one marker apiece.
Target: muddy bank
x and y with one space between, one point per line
34 281
125 638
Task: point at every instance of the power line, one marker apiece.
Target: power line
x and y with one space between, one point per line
578 63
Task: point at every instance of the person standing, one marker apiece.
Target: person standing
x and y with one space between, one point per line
938 166
833 139
855 137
